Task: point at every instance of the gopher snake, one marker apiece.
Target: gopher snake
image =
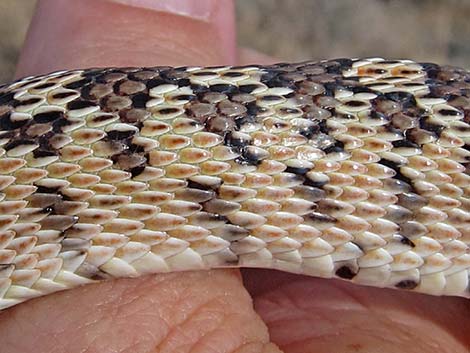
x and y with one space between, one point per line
356 169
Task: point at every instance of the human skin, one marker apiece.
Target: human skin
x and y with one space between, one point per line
205 311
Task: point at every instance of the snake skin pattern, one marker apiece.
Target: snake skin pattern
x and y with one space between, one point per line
354 169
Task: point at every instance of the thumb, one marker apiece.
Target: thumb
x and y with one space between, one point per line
95 33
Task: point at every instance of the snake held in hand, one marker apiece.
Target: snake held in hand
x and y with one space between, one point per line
355 169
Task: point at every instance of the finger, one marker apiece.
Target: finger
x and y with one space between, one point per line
315 315
191 312
165 313
95 33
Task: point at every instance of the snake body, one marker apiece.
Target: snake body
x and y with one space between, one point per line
354 169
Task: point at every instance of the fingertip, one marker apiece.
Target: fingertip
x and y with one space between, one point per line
96 33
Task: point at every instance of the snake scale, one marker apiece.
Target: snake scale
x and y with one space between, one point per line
356 169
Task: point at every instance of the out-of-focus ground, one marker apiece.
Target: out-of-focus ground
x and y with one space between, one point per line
429 30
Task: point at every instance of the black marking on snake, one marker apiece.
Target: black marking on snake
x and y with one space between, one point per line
139 100
168 111
309 131
204 73
345 272
7 124
407 284
406 241
47 117
184 97
297 170
45 142
134 148
432 70
98 74
6 98
449 112
60 123
248 88
320 217
281 81
136 171
355 104
15 143
45 85
236 143
338 147
287 110
199 90
271 98
244 120
196 185
405 143
116 86
120 134
411 200
224 88
62 95
375 115
308 181
270 77
8 134
5 266
249 157
80 104
396 167
78 84
21 103
155 82
183 82
426 124
406 99
232 74
38 153
395 131
253 109
309 193
41 189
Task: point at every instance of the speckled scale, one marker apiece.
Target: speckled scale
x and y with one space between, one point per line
354 169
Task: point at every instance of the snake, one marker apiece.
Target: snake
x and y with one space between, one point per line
354 169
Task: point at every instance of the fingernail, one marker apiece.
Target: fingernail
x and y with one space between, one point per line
199 9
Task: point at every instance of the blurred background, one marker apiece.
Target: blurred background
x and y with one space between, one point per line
429 30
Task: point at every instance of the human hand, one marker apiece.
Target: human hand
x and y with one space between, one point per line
203 311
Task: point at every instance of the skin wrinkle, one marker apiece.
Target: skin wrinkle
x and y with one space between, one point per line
205 335
261 325
177 326
167 325
90 326
202 308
